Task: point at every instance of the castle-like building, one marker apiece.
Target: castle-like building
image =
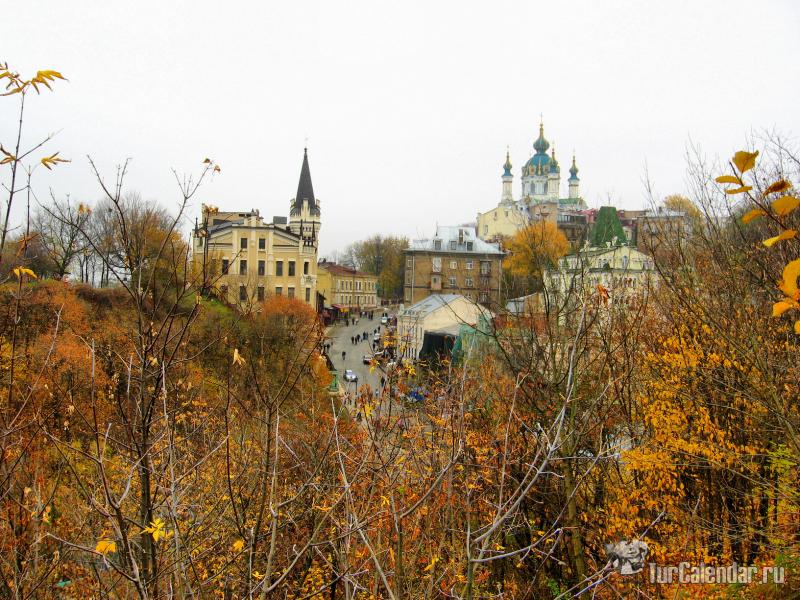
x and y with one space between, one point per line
248 259
540 197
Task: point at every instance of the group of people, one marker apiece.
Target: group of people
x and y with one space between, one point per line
364 314
363 337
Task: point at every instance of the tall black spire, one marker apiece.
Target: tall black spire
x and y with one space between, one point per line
305 191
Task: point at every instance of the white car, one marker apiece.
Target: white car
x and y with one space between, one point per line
384 320
350 376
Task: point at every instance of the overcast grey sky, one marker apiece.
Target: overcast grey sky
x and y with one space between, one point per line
408 106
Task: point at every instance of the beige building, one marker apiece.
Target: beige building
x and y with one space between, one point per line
621 269
453 261
249 259
345 288
437 313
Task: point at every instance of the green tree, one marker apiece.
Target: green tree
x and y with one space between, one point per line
607 228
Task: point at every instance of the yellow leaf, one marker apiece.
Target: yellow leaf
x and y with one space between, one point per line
786 235
20 271
384 501
431 564
781 307
728 179
779 186
783 206
789 283
257 575
238 545
797 327
368 410
237 358
753 214
739 190
745 161
106 546
156 529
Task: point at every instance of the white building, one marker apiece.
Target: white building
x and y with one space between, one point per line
434 313
619 269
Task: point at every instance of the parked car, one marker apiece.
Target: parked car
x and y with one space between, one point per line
366 359
376 337
384 320
349 375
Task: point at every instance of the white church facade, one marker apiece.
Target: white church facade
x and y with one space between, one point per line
540 196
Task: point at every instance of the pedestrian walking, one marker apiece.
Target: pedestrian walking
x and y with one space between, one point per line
383 381
343 354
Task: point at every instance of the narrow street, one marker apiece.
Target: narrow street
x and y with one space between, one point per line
340 342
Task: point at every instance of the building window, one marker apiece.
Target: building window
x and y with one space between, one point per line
243 243
453 244
279 268
260 293
290 291
262 266
242 267
225 266
437 244
436 264
308 294
485 230
486 267
468 265
242 293
469 246
223 289
291 268
453 264
468 282
409 262
452 282
305 268
279 291
262 243
483 297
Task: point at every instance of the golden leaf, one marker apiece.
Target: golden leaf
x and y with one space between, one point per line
779 186
51 161
728 179
237 358
238 545
431 564
739 190
745 161
790 274
797 327
368 410
753 214
20 271
783 206
786 235
781 307
156 529
106 546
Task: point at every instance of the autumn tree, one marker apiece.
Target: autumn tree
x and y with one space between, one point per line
533 249
383 257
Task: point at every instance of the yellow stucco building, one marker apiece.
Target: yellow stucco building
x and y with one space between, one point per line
248 259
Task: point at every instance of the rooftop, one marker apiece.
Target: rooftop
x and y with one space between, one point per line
341 270
464 238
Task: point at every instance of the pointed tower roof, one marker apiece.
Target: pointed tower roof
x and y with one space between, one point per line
305 190
573 170
507 165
